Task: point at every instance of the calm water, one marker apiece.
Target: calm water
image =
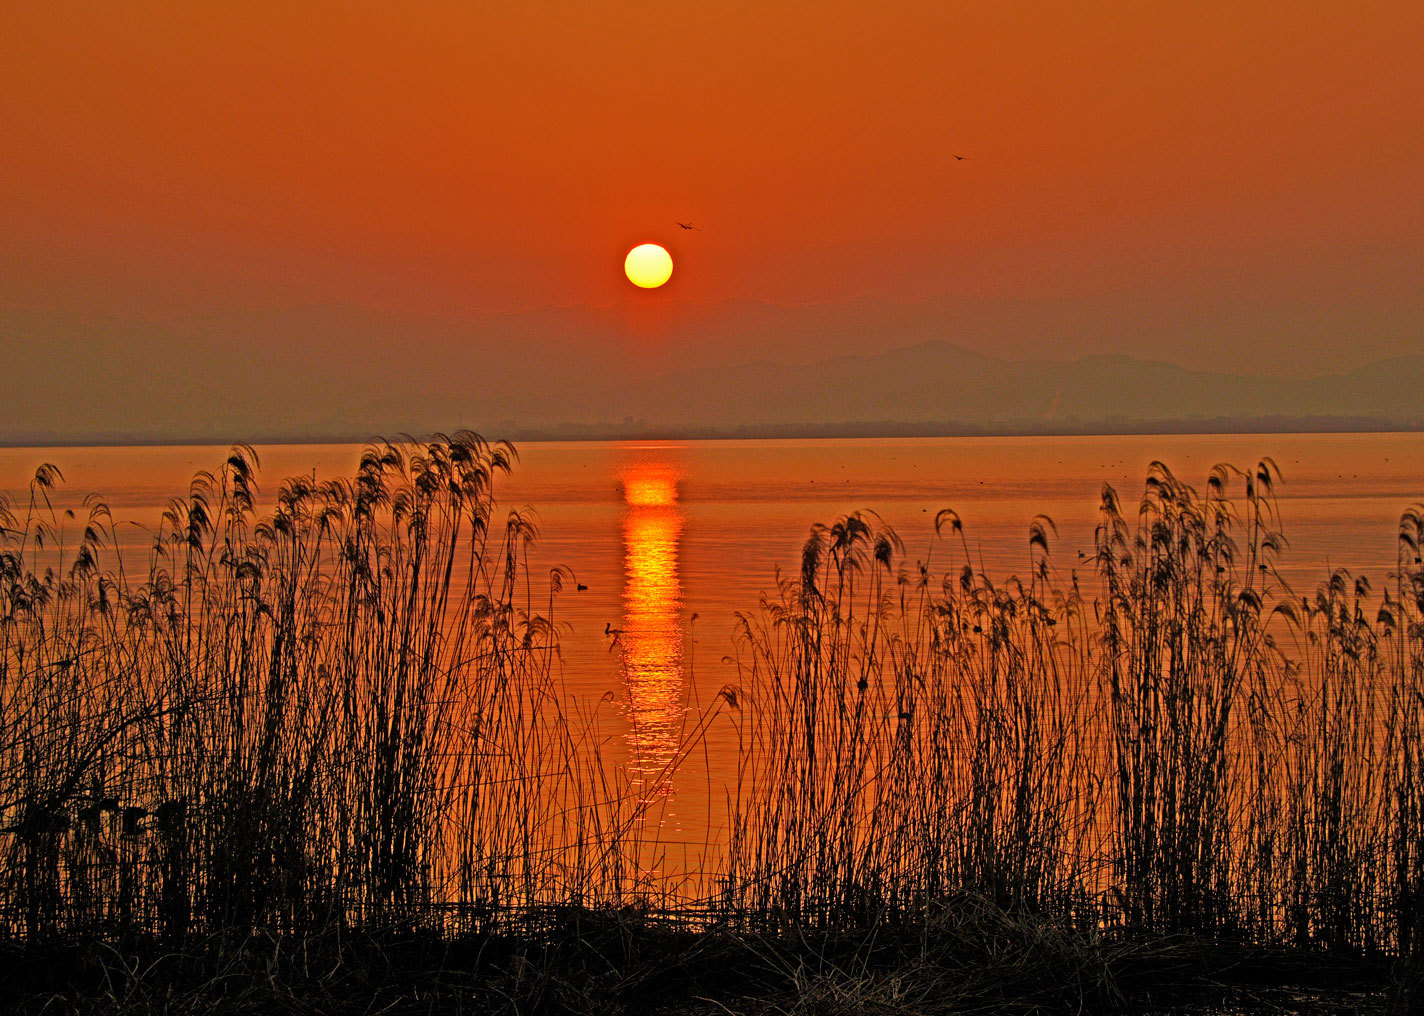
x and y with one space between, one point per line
672 538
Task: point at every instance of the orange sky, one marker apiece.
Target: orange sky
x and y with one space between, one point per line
1134 160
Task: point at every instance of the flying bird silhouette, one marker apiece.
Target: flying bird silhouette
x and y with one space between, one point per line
961 158
688 225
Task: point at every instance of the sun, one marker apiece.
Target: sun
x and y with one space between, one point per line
648 265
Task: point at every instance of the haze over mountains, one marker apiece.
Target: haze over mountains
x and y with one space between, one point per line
944 388
325 373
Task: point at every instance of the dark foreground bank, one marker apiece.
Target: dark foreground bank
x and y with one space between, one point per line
970 958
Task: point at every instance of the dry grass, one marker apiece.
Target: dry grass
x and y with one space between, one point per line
1169 740
336 728
342 715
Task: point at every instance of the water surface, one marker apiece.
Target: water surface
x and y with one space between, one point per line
671 539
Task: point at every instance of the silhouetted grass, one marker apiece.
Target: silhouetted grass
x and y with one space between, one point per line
337 727
1189 747
339 715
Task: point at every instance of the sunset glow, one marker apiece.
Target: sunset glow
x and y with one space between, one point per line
383 569
1224 187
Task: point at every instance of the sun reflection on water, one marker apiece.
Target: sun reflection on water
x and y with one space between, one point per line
652 637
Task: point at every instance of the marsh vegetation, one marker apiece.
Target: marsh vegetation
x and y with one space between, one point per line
331 737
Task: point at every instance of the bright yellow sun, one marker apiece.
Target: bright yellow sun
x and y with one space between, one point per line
648 265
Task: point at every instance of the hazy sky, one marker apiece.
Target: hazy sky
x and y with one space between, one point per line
1234 182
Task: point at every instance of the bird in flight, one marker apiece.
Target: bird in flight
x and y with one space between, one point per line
688 225
961 158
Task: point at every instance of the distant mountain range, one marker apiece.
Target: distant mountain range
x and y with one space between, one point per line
344 374
939 387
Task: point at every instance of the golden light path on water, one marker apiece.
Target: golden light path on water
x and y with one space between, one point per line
651 637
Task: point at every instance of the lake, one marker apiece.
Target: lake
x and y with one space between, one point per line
671 539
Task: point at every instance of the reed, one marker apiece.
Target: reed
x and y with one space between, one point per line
343 713
902 745
342 716
1170 742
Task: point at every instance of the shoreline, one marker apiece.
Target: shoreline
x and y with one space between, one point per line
618 961
1264 427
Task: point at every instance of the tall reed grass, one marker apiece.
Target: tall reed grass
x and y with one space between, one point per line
341 713
344 713
1164 738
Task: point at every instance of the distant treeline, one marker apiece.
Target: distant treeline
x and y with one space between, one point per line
642 430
